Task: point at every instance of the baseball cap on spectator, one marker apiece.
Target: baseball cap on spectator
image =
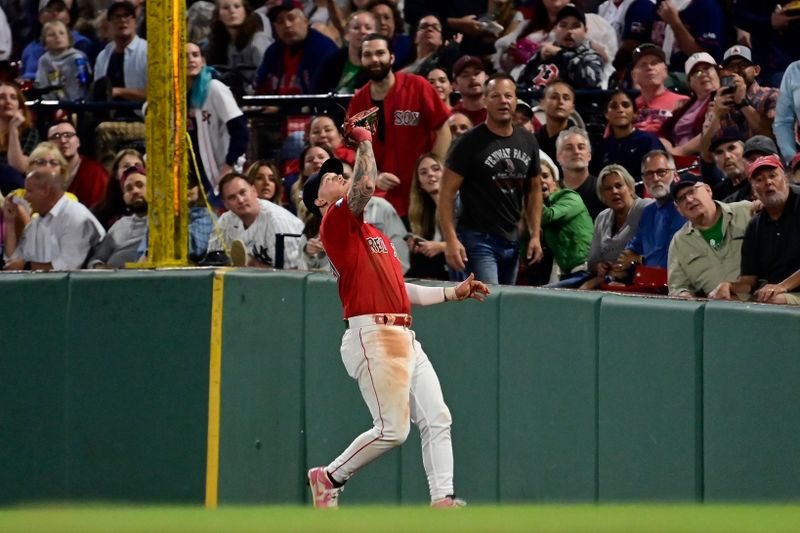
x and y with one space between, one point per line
311 188
466 61
117 5
698 59
737 52
686 179
761 145
795 162
726 135
135 169
765 161
280 7
570 10
524 108
647 49
44 4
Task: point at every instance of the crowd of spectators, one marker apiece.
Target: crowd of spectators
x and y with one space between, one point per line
656 143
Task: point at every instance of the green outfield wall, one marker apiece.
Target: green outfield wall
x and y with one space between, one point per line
556 396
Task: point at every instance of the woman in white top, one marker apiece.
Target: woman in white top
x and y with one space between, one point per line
217 126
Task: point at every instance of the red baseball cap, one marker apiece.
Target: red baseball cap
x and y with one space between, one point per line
795 161
771 161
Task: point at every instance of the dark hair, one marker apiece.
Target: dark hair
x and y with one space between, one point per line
399 23
219 38
227 178
61 121
539 21
623 92
378 37
430 14
252 171
422 208
112 206
560 81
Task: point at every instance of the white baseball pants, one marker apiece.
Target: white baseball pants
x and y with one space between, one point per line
399 385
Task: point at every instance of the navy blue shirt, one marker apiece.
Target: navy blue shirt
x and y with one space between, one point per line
629 151
656 228
704 19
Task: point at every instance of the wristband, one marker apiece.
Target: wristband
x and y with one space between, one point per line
744 103
450 294
27 265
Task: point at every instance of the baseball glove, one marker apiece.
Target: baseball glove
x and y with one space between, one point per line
360 127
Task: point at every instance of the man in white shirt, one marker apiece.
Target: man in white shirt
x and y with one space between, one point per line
63 233
258 224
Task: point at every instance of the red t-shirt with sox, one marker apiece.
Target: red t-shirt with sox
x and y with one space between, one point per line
412 112
365 264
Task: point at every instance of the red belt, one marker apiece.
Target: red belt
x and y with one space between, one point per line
382 319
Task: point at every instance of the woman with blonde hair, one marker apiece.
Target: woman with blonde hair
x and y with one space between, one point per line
614 226
425 242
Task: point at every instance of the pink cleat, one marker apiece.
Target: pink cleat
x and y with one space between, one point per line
323 493
448 501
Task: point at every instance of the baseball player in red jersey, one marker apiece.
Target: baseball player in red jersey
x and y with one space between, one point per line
412 120
379 349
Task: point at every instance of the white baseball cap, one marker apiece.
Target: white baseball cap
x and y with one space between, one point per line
695 59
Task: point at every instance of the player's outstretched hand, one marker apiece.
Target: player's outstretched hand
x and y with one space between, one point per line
472 288
357 135
361 126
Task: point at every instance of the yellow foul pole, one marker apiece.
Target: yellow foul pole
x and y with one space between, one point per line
168 234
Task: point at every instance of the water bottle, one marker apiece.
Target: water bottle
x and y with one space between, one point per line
82 66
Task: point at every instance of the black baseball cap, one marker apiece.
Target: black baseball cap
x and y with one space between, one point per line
686 179
760 144
116 5
726 135
280 7
647 49
570 10
311 188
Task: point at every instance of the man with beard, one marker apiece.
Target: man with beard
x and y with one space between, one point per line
771 247
469 78
570 58
660 220
412 120
728 152
707 250
748 106
574 151
121 243
495 169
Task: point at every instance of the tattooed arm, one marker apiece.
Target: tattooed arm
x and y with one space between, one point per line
365 173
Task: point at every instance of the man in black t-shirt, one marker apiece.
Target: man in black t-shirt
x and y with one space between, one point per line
495 168
771 246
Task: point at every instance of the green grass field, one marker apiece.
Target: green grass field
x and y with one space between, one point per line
374 519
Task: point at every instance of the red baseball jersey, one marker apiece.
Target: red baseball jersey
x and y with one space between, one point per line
365 264
412 111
